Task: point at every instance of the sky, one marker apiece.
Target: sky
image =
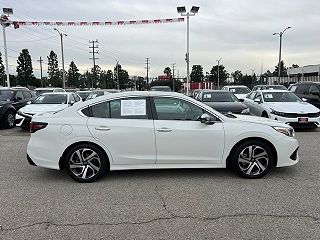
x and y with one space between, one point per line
237 31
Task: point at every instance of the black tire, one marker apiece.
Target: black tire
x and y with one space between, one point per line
265 115
252 166
9 119
86 169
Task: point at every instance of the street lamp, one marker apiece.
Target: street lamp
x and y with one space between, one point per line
279 66
63 74
218 84
193 11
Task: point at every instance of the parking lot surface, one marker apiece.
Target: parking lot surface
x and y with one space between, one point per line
39 203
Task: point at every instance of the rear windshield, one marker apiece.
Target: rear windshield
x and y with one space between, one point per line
239 90
51 99
219 97
6 95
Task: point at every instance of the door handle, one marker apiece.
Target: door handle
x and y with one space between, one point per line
102 128
164 130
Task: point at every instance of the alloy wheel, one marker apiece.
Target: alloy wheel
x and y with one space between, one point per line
253 160
10 119
85 163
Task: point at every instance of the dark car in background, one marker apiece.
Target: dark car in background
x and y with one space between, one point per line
11 100
269 87
222 101
307 91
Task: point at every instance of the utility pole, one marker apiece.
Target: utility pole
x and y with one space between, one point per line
40 61
63 73
147 67
94 60
118 82
5 23
252 78
218 84
173 68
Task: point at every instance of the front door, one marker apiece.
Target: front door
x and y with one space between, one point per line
181 138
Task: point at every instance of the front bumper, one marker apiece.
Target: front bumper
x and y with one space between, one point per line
312 122
287 151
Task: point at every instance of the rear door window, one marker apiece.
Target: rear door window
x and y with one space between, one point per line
303 89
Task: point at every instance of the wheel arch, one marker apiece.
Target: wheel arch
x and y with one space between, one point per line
62 158
265 141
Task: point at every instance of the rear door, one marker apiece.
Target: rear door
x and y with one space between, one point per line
125 127
314 93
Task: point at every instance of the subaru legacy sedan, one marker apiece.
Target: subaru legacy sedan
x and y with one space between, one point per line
156 130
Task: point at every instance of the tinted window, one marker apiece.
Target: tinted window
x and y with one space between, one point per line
19 95
27 94
86 111
76 97
293 88
239 90
251 95
51 99
6 95
303 89
176 109
219 97
314 89
100 110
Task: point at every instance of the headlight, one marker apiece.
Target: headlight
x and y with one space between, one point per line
20 112
245 111
277 113
286 131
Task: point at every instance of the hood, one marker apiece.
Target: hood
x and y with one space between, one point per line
260 120
292 107
42 108
241 96
224 107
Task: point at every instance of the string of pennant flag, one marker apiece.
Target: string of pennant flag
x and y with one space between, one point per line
17 24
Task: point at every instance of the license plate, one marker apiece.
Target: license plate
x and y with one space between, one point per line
303 120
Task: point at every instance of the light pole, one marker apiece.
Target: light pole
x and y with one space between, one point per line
218 84
63 74
279 66
193 11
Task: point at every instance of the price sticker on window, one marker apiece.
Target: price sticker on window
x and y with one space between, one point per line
268 96
133 107
207 96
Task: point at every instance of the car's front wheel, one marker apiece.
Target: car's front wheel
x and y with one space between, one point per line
9 119
252 159
86 163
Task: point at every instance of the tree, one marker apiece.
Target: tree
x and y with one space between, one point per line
283 72
197 73
237 77
123 76
73 75
24 69
106 79
223 75
2 72
167 71
53 70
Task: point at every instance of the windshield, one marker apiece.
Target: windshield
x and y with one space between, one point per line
277 87
51 99
240 90
219 97
6 95
280 97
94 95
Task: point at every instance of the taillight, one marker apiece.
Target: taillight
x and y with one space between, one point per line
35 126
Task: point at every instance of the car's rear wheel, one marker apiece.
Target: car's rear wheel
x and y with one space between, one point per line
9 119
252 159
86 163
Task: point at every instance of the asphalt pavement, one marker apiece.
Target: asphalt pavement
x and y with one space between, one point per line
37 203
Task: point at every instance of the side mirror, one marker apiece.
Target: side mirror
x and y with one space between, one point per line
71 103
315 93
205 118
304 99
257 100
18 99
28 103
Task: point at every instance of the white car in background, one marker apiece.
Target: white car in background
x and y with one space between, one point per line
39 91
46 102
284 106
240 91
156 130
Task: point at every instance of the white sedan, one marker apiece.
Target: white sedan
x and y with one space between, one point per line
156 130
239 90
284 106
46 102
